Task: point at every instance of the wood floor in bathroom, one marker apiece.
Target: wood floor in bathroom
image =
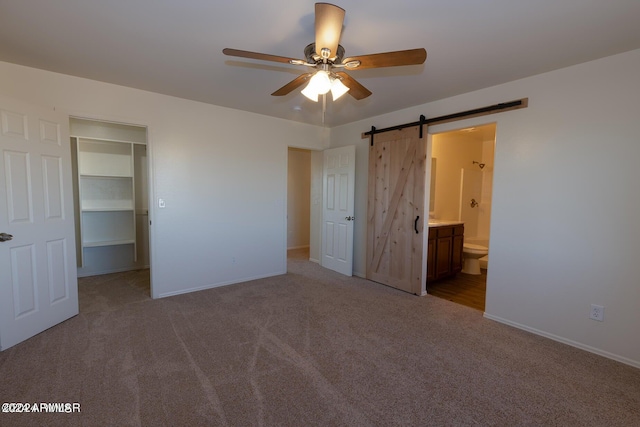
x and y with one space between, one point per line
464 289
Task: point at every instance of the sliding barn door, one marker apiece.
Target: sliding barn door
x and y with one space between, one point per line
395 215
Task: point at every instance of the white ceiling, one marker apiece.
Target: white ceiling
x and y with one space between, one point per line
175 47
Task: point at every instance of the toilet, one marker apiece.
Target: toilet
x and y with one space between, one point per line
471 254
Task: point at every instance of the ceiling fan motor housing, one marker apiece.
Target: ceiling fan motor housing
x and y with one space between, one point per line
314 58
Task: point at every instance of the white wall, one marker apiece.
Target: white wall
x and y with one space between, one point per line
484 214
222 173
298 198
564 229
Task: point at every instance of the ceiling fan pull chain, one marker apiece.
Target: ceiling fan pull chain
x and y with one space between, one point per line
324 106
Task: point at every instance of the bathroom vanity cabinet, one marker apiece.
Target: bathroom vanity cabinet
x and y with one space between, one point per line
444 256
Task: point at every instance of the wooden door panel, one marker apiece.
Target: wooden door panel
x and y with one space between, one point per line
396 199
391 210
443 258
24 280
19 192
456 254
431 260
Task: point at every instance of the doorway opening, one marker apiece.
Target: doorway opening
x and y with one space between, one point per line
298 203
462 192
111 202
320 201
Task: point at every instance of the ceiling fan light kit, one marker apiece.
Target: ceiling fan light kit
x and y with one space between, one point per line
326 54
338 88
321 83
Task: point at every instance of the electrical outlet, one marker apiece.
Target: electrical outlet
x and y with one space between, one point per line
597 313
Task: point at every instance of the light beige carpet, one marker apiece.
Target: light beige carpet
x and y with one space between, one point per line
309 348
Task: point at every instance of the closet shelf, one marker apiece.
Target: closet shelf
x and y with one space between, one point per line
93 175
107 194
107 243
107 209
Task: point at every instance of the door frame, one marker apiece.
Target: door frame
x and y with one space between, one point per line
286 203
315 231
451 127
150 178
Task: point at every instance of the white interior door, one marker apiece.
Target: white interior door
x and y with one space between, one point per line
38 278
339 171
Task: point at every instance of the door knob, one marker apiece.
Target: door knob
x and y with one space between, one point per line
350 218
4 237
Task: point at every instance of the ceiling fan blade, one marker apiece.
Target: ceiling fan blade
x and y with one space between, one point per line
255 55
329 19
293 84
355 89
389 59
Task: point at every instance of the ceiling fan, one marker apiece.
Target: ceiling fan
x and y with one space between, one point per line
326 55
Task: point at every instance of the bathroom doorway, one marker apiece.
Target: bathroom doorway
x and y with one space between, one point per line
463 190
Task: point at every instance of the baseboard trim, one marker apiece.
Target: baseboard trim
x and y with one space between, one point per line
599 352
109 271
216 285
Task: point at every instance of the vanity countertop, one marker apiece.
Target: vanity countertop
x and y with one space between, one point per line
443 222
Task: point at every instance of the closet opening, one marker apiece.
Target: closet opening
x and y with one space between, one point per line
111 202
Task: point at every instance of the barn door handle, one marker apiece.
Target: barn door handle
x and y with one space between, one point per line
4 237
415 224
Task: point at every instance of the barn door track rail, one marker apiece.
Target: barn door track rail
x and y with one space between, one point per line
483 111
